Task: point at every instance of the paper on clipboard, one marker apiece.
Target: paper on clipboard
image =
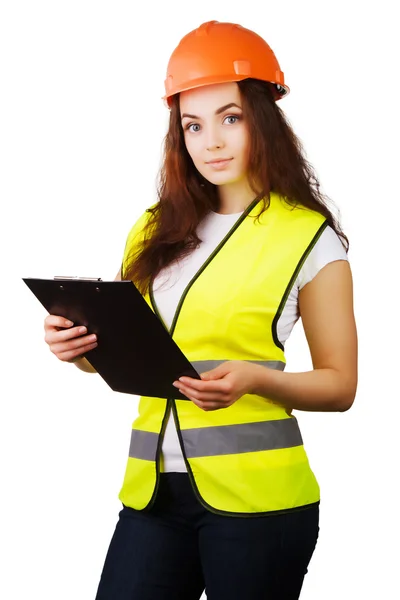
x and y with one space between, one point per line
135 353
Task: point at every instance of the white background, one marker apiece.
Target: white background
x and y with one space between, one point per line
82 123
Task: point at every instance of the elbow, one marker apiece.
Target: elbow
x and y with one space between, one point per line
345 391
345 404
346 401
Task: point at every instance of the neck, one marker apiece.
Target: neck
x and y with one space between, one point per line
235 197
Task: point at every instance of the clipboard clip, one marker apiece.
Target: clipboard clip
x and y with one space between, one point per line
74 277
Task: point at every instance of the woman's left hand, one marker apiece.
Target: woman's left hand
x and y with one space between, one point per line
222 386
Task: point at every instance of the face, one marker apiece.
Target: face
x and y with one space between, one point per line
215 133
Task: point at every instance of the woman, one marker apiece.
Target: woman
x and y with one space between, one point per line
218 492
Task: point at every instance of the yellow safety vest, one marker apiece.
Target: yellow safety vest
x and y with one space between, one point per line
247 459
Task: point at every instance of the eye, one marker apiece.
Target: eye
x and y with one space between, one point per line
194 127
232 119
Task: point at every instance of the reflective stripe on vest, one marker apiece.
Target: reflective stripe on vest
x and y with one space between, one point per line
202 366
225 439
143 444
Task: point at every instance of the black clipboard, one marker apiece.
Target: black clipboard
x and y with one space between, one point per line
135 352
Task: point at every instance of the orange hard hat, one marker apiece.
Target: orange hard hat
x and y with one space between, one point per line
218 52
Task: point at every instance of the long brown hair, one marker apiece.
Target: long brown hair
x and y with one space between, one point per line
277 164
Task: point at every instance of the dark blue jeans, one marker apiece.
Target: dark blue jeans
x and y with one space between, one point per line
178 549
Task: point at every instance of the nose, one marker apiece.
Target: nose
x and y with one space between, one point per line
214 139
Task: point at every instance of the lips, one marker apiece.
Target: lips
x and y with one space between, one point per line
219 164
218 160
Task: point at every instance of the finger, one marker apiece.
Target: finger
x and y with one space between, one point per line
210 406
57 321
188 381
69 355
55 336
203 396
217 373
74 344
199 385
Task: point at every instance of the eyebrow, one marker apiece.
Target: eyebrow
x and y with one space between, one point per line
217 112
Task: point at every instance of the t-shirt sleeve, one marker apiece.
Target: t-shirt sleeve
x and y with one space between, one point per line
328 248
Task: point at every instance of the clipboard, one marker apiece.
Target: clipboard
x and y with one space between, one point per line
135 353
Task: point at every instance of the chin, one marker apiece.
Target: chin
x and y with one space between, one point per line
220 178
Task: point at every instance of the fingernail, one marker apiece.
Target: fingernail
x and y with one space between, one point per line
68 323
82 330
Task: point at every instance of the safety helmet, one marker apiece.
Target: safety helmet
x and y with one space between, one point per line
219 52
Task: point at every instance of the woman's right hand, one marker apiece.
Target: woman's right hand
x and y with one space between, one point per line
65 341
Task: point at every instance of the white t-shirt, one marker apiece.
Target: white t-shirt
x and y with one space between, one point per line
170 284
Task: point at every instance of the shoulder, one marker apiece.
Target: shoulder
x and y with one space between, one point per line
285 210
135 237
290 221
139 226
138 230
328 248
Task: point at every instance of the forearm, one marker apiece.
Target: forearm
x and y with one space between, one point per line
317 390
84 365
